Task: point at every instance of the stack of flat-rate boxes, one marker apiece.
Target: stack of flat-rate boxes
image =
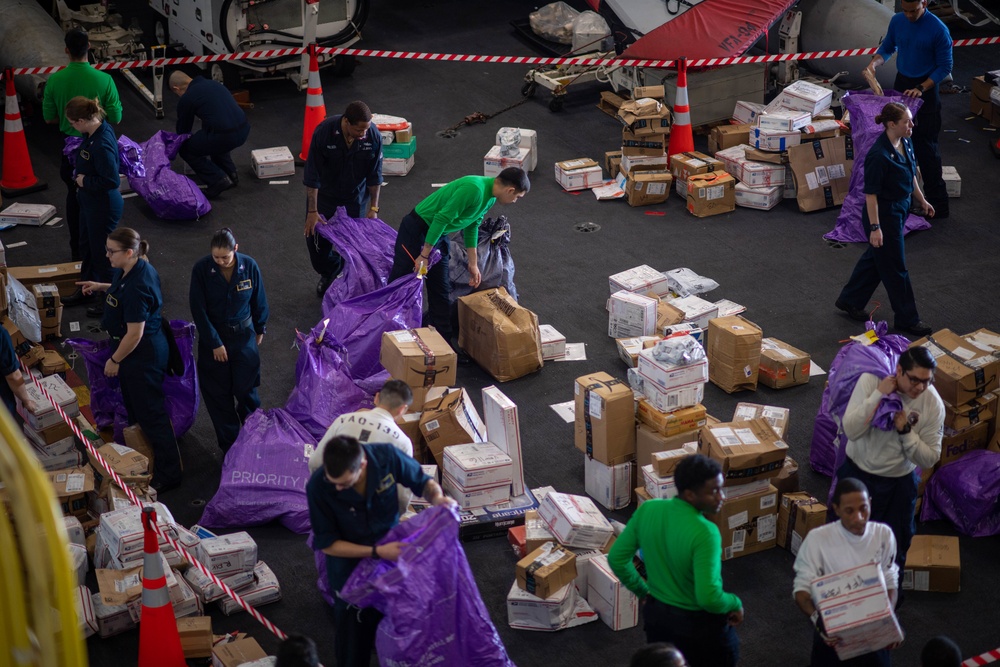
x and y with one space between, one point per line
50 436
605 432
399 147
477 474
643 173
671 386
751 454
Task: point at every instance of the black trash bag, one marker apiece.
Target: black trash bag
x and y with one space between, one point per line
496 265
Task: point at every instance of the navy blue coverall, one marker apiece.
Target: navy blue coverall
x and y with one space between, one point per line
136 297
342 175
224 127
888 175
99 198
8 364
230 314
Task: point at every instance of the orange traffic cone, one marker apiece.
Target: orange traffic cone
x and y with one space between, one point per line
18 177
159 641
315 107
681 134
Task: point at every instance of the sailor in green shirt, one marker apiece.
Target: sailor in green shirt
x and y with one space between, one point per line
77 79
459 206
685 604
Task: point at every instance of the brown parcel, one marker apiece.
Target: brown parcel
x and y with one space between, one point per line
653 145
711 194
546 569
686 165
610 103
679 421
933 564
956 444
747 450
196 636
421 358
645 117
787 480
822 172
605 418
799 513
782 365
776 416
727 136
502 336
748 524
137 440
71 486
981 103
450 419
648 441
64 276
647 184
982 409
238 652
964 372
733 353
612 162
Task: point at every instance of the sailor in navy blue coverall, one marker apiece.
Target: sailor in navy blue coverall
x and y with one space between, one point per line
229 306
139 348
352 505
96 176
890 180
344 168
224 127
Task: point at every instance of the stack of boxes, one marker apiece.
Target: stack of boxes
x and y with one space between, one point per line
605 431
476 475
799 513
643 173
50 309
514 147
399 147
49 436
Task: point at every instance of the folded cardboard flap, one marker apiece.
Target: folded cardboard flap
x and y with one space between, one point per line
499 334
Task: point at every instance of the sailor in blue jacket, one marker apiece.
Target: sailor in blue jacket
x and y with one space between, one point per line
229 307
139 349
97 166
890 181
224 127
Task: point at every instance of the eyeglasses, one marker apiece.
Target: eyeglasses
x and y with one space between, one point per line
112 251
928 381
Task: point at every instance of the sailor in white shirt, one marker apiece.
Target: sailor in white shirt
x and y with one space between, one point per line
377 425
886 460
839 546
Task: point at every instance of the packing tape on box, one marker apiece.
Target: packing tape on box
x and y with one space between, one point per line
978 373
793 512
430 360
586 411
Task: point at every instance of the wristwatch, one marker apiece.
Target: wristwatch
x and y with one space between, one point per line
906 429
875 228
375 552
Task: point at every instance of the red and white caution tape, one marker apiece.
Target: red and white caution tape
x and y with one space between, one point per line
984 659
190 558
500 60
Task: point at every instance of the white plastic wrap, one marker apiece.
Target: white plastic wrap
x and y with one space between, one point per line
685 282
679 351
554 22
590 31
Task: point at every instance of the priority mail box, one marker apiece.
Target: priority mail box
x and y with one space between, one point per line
82 599
747 112
648 441
45 415
784 120
55 459
481 496
228 554
495 161
450 419
643 144
553 342
546 570
111 620
33 215
782 365
802 96
617 606
748 524
611 486
605 418
629 348
964 371
777 417
754 174
854 605
711 194
748 451
675 398
394 166
575 520
265 590
640 280
822 172
726 136
668 376
631 314
579 174
685 165
763 198
565 609
657 485
981 409
697 311
734 345
207 591
478 465
272 162
799 513
683 420
774 140
419 357
503 429
933 564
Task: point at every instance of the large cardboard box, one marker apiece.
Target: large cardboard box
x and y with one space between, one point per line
799 513
673 399
450 419
854 606
774 140
579 174
237 653
802 96
697 311
419 357
748 112
726 136
782 365
631 314
734 346
679 421
776 416
933 564
649 441
546 569
611 486
645 184
575 521
501 335
667 377
605 418
503 429
763 198
685 165
956 444
747 450
643 144
748 524
617 606
822 172
665 462
64 276
964 371
711 194
45 415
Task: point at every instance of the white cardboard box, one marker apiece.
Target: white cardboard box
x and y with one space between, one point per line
667 400
774 140
754 174
228 554
46 415
762 198
207 591
564 609
747 113
784 120
575 520
854 606
803 96
469 499
529 140
122 532
272 162
478 465
617 606
553 343
668 376
580 174
27 214
641 279
609 485
494 161
503 429
394 166
264 591
111 621
631 315
658 486
952 181
83 600
697 311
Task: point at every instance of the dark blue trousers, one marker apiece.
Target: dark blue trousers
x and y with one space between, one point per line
886 265
208 152
706 640
354 638
824 656
926 133
141 376
410 239
230 388
893 501
100 213
72 208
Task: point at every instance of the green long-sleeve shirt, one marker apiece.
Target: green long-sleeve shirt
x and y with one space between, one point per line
682 551
458 206
79 79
